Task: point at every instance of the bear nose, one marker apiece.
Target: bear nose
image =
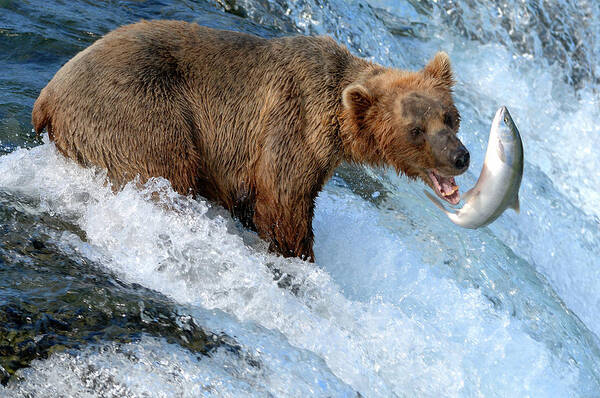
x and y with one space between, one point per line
461 158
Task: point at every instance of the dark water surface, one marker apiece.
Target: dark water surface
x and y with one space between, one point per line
105 294
50 301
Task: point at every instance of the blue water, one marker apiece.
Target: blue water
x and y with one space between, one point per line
105 294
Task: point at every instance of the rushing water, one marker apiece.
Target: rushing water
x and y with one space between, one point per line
111 295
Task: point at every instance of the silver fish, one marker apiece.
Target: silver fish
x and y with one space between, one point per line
498 185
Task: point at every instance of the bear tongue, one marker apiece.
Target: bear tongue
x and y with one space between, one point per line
445 187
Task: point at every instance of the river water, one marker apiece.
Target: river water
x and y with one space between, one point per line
118 295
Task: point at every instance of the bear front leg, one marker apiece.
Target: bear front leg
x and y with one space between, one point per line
286 223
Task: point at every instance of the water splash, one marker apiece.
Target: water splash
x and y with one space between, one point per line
404 327
401 302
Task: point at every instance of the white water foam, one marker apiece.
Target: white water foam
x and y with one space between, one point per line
558 230
404 328
155 368
403 302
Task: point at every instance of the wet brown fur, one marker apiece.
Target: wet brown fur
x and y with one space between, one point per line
256 125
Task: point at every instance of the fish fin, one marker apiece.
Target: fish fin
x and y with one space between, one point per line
515 205
437 203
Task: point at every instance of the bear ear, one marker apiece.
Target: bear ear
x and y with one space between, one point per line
439 68
357 99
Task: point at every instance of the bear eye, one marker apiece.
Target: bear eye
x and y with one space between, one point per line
416 131
448 120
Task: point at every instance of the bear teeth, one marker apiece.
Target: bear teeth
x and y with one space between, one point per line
454 189
445 187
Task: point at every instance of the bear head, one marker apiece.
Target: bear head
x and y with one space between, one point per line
407 120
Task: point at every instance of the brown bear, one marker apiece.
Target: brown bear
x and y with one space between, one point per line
256 125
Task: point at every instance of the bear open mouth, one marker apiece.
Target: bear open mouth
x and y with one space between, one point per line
444 187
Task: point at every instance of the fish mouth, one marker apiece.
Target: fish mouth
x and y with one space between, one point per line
444 187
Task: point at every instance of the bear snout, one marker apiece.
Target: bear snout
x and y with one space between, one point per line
452 157
460 158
